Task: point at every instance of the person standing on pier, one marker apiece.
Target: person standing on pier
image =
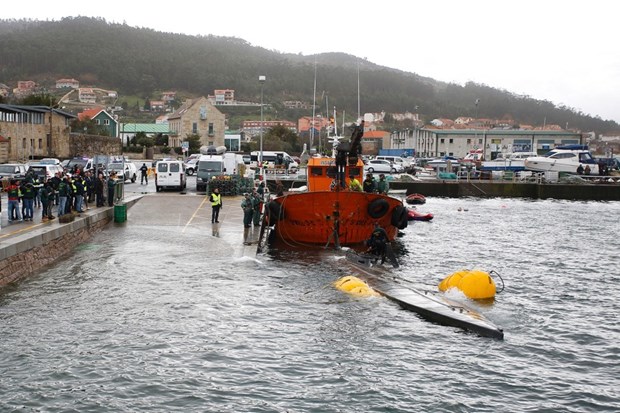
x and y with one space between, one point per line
14 194
144 174
47 199
216 205
257 203
248 210
111 187
99 185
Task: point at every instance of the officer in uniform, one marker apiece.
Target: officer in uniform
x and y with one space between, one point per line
216 205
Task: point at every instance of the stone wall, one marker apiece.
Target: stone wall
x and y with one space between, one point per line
91 145
27 252
22 264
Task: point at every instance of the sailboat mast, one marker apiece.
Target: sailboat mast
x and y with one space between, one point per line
335 123
313 108
327 116
358 91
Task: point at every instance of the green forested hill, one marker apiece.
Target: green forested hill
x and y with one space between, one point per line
138 61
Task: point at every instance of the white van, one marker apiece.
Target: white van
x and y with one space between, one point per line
273 158
170 174
395 159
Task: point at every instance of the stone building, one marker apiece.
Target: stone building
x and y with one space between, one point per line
197 117
35 132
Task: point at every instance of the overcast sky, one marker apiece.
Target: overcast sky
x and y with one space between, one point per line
563 51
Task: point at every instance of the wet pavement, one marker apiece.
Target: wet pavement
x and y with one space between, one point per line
188 210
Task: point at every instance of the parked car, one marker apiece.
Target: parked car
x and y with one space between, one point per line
45 171
395 159
12 171
49 161
130 170
83 164
382 166
191 166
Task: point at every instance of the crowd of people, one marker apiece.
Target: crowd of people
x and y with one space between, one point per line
370 184
69 193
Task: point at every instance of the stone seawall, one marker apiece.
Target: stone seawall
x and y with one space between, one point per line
26 253
492 189
481 189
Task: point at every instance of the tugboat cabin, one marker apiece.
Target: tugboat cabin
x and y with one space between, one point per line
322 172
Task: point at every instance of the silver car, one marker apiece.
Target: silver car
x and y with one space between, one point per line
12 171
382 166
129 168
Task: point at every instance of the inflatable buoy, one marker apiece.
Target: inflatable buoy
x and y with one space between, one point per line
475 284
354 286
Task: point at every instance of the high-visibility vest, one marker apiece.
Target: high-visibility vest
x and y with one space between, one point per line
216 199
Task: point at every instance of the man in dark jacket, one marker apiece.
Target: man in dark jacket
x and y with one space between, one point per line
144 174
99 190
369 184
28 194
111 187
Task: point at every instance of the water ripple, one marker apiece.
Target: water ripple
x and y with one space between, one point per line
126 324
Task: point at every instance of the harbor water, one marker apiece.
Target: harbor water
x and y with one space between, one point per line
164 318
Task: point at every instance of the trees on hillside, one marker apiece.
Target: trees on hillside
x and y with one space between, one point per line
138 61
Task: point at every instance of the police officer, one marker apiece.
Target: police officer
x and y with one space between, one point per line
144 174
216 205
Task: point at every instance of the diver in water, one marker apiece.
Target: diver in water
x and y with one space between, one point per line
377 243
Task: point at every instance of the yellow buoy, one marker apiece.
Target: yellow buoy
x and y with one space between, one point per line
475 284
452 280
354 286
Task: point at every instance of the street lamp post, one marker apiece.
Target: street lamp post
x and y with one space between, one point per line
261 80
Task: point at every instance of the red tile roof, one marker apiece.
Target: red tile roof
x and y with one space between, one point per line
88 113
375 134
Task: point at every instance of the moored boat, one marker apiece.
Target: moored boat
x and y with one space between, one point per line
509 162
414 215
329 212
566 158
415 199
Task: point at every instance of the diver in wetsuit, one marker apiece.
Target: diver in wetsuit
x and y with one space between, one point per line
377 243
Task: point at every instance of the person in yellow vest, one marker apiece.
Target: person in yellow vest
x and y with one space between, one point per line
216 205
354 184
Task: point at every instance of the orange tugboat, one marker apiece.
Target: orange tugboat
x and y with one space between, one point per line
331 213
